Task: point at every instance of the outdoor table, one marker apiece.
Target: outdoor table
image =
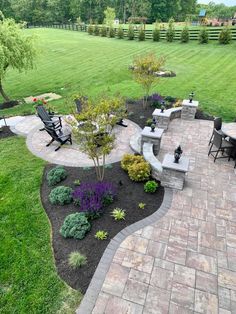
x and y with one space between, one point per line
229 129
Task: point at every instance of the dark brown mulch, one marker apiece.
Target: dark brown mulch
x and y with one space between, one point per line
9 104
5 131
129 195
137 114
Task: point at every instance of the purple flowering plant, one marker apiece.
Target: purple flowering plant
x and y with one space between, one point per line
92 197
156 100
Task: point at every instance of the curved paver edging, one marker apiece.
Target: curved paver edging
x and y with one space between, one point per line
97 281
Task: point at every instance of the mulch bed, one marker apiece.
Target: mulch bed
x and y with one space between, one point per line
5 131
129 195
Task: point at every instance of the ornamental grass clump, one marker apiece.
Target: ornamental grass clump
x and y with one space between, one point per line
170 33
56 175
61 195
96 30
76 259
156 33
111 32
75 226
103 31
118 214
101 235
92 197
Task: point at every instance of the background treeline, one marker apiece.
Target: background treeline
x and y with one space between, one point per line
36 11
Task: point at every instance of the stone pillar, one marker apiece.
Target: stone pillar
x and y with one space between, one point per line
162 118
173 174
152 137
189 109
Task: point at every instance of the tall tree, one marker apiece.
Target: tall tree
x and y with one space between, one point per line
16 50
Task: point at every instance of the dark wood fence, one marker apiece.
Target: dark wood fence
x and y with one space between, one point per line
213 32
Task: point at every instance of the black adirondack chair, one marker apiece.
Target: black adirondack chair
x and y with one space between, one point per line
58 135
47 119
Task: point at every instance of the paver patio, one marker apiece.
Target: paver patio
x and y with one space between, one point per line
186 261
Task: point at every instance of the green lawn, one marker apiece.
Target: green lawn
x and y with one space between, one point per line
73 62
28 279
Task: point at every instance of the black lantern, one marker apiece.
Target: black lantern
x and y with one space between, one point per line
177 154
154 121
153 127
162 106
191 97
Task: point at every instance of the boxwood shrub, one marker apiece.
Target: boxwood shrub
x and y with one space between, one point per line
56 175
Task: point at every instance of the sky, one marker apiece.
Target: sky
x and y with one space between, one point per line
226 2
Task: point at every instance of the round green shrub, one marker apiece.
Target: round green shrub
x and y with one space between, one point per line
61 195
56 175
139 171
203 36
75 226
150 187
156 34
76 259
225 36
129 160
184 35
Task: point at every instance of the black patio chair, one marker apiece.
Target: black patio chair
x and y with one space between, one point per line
222 146
79 103
58 135
46 118
217 126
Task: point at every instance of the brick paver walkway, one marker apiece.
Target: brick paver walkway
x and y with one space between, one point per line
186 262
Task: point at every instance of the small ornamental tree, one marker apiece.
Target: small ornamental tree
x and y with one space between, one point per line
185 35
144 68
170 33
94 136
203 36
225 36
110 15
17 51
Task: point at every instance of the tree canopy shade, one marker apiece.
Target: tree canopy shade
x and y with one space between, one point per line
16 50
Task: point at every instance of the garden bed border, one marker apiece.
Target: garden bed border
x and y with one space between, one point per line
95 286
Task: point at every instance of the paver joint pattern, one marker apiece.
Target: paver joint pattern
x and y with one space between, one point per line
186 261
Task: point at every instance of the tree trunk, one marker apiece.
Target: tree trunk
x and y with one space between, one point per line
3 93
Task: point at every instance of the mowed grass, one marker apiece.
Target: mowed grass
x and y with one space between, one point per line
71 62
28 279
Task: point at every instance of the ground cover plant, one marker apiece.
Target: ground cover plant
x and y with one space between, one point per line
122 212
28 277
209 70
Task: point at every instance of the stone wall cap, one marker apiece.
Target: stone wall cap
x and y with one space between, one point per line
169 163
147 132
194 103
166 113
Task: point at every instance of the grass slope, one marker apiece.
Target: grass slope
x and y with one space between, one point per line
72 61
28 279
